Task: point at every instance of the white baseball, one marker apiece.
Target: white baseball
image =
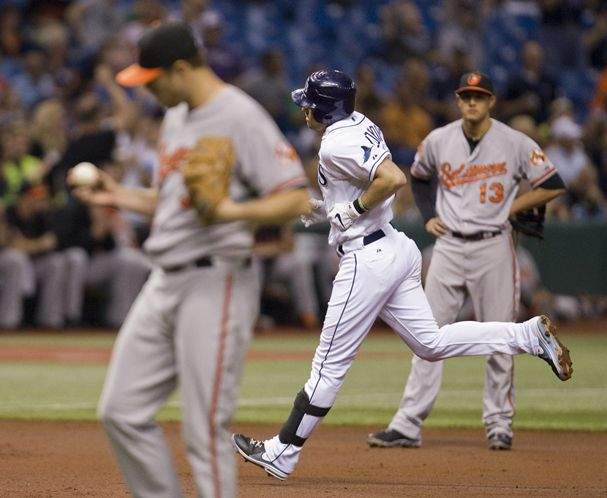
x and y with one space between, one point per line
84 175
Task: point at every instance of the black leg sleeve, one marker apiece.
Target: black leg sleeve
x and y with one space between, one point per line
301 407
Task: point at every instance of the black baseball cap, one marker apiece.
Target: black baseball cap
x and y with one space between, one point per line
159 47
475 82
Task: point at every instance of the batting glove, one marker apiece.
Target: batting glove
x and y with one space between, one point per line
317 215
343 215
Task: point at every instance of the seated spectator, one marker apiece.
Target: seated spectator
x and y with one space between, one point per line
526 125
444 78
560 33
32 232
226 63
461 30
595 39
92 22
19 167
531 90
136 160
278 264
599 100
368 100
12 39
91 142
269 86
118 269
34 84
584 196
49 131
144 14
404 119
13 269
595 140
403 32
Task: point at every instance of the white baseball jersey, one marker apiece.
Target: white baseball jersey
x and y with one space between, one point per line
265 163
476 189
350 152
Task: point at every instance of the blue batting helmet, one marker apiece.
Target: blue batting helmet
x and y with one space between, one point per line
329 93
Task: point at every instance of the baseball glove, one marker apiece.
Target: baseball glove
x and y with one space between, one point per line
207 172
530 222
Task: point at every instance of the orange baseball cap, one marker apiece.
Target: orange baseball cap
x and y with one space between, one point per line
159 48
475 82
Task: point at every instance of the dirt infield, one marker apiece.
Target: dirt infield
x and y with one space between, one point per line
57 459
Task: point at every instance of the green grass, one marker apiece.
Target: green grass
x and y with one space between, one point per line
370 394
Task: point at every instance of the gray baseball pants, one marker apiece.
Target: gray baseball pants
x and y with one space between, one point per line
124 271
487 270
13 267
193 325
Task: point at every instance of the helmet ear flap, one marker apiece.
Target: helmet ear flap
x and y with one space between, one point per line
319 116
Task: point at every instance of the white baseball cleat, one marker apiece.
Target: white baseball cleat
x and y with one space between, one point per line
553 351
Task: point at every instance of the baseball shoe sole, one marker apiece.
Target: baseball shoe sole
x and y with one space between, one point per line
391 439
252 451
499 442
553 351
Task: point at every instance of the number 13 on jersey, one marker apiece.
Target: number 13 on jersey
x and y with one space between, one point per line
496 192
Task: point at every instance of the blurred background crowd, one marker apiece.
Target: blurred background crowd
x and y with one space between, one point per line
63 264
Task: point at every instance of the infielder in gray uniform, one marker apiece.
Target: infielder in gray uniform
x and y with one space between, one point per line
465 180
193 319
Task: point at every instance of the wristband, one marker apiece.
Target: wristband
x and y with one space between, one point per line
359 206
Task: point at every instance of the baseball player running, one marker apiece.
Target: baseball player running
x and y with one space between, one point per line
379 274
193 319
478 164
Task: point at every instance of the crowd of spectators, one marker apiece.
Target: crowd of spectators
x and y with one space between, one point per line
59 105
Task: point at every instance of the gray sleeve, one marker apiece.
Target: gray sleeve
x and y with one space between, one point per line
534 164
267 160
423 165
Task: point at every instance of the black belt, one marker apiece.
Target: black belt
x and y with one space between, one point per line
199 263
367 239
477 235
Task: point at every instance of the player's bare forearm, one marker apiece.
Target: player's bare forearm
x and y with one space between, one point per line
273 209
106 191
534 198
388 179
139 200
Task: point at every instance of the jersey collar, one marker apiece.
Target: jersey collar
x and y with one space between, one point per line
352 120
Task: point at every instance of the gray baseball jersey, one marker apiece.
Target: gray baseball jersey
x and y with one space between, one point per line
265 163
477 188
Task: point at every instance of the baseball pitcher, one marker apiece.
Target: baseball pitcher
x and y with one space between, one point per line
466 176
224 164
379 274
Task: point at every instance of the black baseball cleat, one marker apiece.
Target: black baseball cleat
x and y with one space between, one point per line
392 439
499 441
253 451
553 351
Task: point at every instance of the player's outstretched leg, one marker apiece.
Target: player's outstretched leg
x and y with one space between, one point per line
536 336
408 313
